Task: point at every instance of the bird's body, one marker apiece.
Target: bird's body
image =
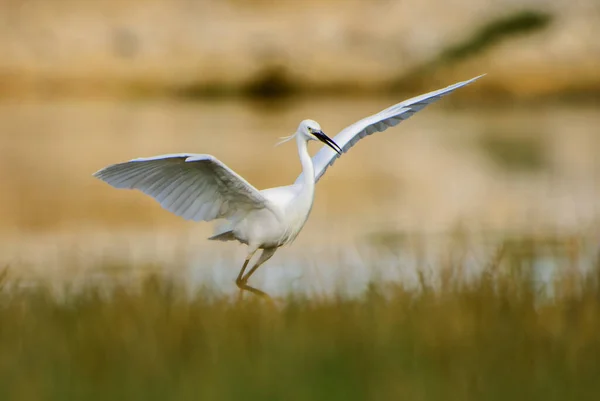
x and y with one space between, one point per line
265 229
294 203
281 222
200 187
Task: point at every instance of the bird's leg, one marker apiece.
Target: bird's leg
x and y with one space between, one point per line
264 256
242 282
244 286
238 280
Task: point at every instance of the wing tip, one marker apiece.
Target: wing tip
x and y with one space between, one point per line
475 79
98 174
453 87
104 176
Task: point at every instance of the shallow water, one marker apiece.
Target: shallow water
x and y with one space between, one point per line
520 169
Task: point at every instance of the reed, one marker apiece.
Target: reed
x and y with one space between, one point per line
494 338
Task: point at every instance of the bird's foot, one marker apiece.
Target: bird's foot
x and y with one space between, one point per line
243 286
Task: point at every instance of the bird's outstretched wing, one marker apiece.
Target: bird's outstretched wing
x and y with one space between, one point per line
381 121
195 187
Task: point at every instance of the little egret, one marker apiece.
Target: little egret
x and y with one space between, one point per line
199 187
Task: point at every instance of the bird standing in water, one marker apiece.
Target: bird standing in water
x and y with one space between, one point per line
199 187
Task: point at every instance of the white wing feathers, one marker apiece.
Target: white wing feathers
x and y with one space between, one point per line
195 187
381 121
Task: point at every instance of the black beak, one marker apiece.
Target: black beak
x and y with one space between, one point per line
327 141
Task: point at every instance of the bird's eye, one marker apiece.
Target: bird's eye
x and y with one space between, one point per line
310 130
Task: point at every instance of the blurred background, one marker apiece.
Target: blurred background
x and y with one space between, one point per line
87 84
501 177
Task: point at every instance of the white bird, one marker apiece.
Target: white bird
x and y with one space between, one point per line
199 187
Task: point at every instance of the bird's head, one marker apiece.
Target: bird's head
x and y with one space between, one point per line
311 131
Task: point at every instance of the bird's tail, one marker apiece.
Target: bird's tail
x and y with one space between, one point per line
224 236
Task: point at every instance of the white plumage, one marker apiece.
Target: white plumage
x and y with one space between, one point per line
379 122
201 188
195 187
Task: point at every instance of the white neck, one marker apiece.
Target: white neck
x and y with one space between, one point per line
308 170
298 210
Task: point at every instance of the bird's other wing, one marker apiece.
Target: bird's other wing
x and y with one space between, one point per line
381 121
195 187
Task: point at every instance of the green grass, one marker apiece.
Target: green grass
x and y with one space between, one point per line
495 31
493 339
488 35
